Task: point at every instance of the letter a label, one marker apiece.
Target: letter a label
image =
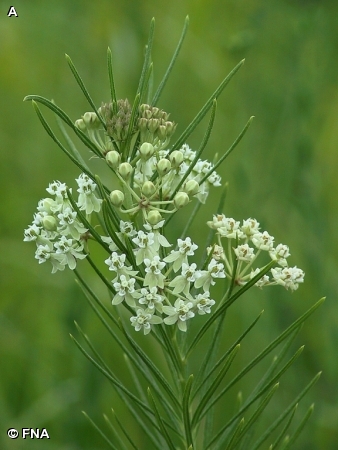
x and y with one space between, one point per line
12 12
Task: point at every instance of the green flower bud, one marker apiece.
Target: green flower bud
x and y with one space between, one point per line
117 198
162 132
125 170
154 217
113 158
80 125
176 158
163 166
181 199
146 150
47 203
91 120
153 125
49 223
148 188
191 187
142 124
170 127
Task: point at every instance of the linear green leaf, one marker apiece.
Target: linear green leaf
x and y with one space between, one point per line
160 422
190 128
221 360
111 445
249 403
84 89
172 62
236 433
111 80
300 427
158 375
203 403
227 153
186 413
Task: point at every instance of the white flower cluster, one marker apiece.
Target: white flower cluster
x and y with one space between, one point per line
246 255
161 287
169 286
56 229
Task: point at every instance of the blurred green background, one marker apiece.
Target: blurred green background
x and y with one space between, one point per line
284 173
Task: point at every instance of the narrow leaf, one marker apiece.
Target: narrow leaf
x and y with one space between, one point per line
186 412
83 89
171 65
111 80
190 128
227 153
111 445
160 422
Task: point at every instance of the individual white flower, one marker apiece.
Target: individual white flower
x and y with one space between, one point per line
218 220
263 241
127 228
151 299
185 248
108 240
181 283
203 303
279 254
180 313
159 239
217 252
289 277
87 199
230 229
144 320
125 290
69 225
31 233
45 253
263 281
244 253
206 278
154 277
58 189
188 154
250 227
145 244
71 248
116 263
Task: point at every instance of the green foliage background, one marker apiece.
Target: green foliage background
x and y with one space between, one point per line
283 173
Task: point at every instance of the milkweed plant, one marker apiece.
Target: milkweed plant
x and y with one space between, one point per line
156 285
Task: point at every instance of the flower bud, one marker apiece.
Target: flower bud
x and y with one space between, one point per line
146 150
162 132
163 166
154 217
148 188
117 198
176 158
153 125
49 223
47 204
142 124
113 159
125 170
191 187
80 125
181 199
91 120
